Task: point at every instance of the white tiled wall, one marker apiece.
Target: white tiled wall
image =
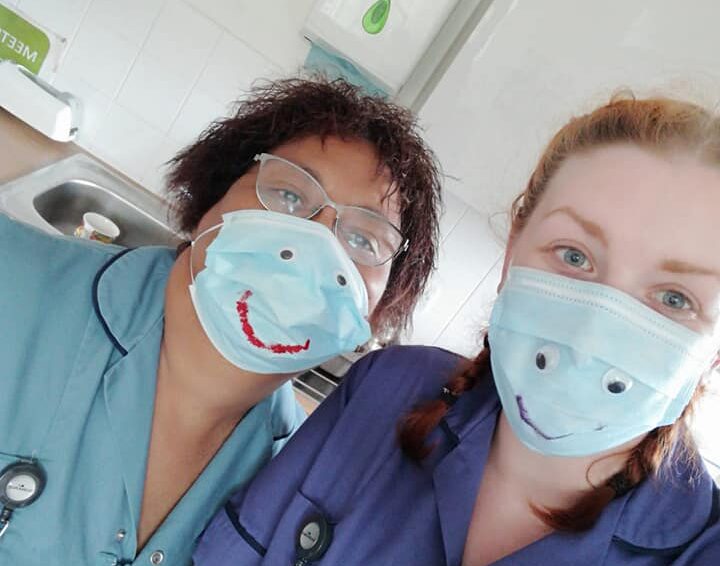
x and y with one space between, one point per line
457 304
531 64
152 74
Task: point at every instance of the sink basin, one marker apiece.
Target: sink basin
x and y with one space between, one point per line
64 205
55 198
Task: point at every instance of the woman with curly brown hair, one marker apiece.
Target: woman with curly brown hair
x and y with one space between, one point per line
565 441
142 387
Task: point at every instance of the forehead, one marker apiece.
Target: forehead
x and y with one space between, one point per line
638 196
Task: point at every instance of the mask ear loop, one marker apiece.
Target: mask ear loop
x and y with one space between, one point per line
192 246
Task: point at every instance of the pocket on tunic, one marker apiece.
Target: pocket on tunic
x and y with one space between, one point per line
226 542
7 458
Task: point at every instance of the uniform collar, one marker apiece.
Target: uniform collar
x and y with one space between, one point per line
469 428
129 297
129 300
667 512
128 293
661 515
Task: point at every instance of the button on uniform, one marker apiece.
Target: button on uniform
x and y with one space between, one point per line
157 557
120 535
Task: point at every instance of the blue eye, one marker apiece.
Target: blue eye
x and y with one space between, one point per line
290 199
361 243
574 258
675 300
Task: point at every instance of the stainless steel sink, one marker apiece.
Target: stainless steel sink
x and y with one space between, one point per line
55 198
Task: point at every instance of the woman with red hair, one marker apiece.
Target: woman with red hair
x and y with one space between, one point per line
565 441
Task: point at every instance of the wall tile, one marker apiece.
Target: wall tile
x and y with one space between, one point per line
232 68
195 115
453 210
127 142
169 65
181 36
154 176
462 334
271 27
101 56
156 92
129 19
61 17
467 254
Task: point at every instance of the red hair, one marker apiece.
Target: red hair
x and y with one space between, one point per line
659 125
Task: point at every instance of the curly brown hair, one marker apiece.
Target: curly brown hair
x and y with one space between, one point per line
278 112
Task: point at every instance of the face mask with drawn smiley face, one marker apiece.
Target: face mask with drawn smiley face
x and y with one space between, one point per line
278 294
582 367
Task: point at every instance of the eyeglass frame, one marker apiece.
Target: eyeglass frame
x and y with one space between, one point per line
337 207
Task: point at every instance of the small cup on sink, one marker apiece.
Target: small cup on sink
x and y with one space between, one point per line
97 227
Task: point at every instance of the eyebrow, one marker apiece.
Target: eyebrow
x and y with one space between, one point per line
314 174
669 265
677 266
316 177
589 226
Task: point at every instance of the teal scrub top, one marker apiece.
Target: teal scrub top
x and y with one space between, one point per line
80 331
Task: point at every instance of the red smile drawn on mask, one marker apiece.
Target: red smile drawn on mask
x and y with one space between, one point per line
242 309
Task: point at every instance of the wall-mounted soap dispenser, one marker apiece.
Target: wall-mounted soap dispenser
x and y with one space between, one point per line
51 112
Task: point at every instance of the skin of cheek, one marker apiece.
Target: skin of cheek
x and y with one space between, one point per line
375 280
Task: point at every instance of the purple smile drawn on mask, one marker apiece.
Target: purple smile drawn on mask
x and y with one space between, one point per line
528 421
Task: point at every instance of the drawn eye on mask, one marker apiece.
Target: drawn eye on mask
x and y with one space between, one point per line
288 254
616 382
547 359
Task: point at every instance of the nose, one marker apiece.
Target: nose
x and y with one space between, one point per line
326 216
624 280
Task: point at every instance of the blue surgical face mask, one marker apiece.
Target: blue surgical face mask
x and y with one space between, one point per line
582 368
278 294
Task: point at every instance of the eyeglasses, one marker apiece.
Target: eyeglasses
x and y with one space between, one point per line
368 237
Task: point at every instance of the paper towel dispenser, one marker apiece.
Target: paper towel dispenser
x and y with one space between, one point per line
383 38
